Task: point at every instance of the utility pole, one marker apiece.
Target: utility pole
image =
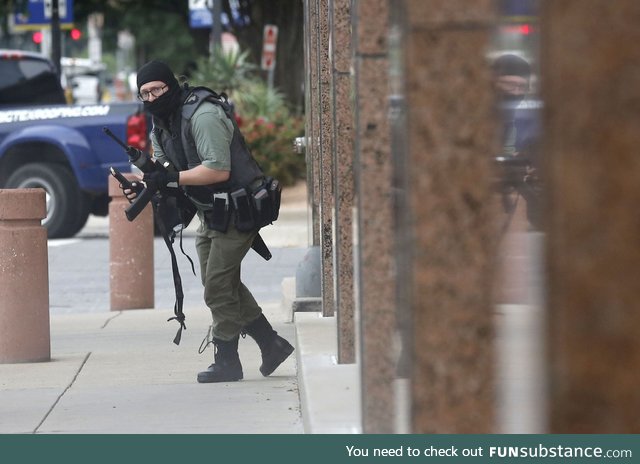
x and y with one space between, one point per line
216 26
55 35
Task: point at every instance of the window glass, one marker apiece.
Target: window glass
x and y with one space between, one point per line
13 71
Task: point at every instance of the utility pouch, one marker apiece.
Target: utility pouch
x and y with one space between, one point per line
242 204
275 192
218 217
263 207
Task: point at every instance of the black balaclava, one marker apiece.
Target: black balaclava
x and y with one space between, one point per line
163 106
511 65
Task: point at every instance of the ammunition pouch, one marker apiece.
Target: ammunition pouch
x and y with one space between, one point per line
219 216
250 209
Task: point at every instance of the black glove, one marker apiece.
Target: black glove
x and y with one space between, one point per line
132 192
159 179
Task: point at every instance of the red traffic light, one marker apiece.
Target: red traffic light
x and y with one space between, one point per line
526 29
75 34
37 37
522 29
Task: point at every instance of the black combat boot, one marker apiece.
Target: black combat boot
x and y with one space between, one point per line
226 366
273 347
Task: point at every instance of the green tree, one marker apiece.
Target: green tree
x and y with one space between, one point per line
288 15
161 28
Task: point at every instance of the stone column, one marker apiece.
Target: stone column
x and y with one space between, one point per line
312 110
375 281
131 270
450 239
340 16
24 277
590 62
326 159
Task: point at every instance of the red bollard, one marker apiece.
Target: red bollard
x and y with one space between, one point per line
131 272
24 277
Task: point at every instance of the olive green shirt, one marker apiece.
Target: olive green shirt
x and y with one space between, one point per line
212 132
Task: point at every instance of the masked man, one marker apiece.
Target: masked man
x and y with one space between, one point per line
198 136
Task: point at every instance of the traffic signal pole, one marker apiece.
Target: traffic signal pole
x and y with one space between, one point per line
55 35
216 27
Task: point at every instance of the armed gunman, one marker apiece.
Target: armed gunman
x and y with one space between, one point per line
170 217
202 162
516 166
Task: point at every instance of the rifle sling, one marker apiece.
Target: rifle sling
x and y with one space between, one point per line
160 207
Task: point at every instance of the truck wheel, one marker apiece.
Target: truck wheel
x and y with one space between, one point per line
66 207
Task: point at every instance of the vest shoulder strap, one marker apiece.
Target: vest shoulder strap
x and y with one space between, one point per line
198 95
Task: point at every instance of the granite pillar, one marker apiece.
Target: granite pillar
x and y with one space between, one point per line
131 269
24 277
307 117
326 148
312 112
590 64
340 17
450 239
374 274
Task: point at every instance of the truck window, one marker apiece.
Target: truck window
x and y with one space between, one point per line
26 80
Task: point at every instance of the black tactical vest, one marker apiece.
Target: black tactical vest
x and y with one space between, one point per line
183 155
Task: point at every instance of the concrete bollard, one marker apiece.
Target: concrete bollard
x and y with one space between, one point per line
24 277
131 272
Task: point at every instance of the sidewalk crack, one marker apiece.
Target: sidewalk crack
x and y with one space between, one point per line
110 319
55 403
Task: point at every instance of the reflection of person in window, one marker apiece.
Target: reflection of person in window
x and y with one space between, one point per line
512 76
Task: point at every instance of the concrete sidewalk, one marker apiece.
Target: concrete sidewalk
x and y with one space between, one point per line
119 372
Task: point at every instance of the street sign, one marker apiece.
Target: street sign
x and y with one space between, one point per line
38 15
48 8
200 14
269 41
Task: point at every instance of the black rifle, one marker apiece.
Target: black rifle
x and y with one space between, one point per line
136 157
143 196
514 176
513 170
146 165
143 162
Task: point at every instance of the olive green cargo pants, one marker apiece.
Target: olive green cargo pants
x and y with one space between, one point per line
232 305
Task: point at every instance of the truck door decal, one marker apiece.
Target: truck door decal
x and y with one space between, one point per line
43 114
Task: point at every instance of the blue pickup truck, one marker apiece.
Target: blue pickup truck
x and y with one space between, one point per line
47 143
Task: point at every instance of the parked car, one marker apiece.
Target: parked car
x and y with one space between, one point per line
47 143
84 79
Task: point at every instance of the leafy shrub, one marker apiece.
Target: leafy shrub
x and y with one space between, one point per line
225 72
266 122
270 129
271 143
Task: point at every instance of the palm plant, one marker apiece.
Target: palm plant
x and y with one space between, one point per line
255 98
224 71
